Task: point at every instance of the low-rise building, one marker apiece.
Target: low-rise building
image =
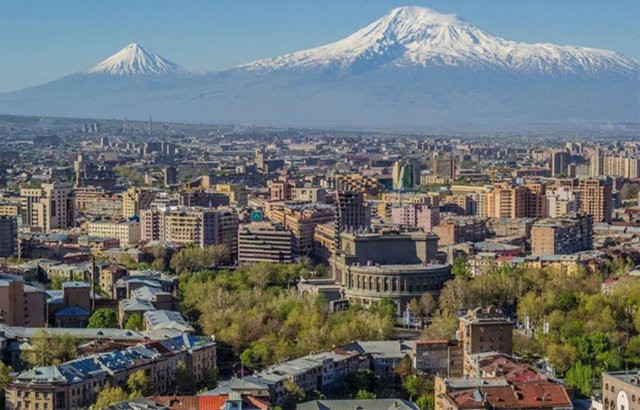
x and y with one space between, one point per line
75 384
620 390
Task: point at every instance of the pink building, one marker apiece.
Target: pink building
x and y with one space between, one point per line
416 216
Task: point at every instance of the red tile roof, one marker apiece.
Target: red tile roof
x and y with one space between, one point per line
537 394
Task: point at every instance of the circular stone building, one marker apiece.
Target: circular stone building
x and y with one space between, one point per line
370 267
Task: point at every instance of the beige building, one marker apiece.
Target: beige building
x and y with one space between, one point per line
197 226
323 241
507 201
301 221
596 199
238 194
9 208
620 390
135 200
128 232
50 207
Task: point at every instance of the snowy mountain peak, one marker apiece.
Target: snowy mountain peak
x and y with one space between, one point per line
136 61
420 37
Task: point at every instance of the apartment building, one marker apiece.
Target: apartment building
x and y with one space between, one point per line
596 199
20 303
50 207
455 230
562 236
197 226
127 232
301 221
135 200
423 217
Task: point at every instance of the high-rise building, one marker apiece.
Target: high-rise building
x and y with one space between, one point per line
280 189
596 199
536 201
444 167
559 162
405 175
135 200
596 163
8 236
170 174
50 207
562 236
507 201
561 201
197 226
264 242
350 213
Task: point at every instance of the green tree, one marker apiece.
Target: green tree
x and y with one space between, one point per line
5 370
404 367
461 268
385 308
563 356
292 396
427 304
365 395
134 322
426 402
185 380
109 396
415 386
192 259
139 384
103 318
443 326
47 350
581 377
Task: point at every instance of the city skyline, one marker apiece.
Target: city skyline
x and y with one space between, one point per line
220 35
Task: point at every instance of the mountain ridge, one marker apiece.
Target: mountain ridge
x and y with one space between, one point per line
413 66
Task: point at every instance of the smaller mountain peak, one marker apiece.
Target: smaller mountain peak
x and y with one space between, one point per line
134 61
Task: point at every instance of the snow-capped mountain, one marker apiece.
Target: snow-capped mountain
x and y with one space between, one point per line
413 68
134 61
418 36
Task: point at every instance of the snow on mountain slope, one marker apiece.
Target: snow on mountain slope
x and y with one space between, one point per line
135 61
418 36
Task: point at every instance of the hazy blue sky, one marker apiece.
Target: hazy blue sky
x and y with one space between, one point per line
41 40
